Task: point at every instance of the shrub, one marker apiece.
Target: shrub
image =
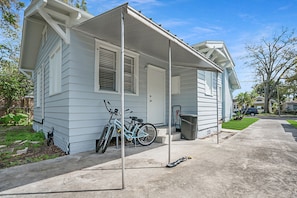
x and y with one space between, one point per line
14 119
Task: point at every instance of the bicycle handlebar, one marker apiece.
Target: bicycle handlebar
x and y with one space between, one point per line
116 111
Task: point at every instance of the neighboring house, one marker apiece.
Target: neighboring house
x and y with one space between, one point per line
74 59
259 103
208 101
290 106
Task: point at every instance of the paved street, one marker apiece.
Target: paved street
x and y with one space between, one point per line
260 161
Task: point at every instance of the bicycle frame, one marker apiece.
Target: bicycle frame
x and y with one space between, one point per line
144 133
129 133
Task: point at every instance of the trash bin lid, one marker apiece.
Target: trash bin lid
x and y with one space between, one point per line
188 115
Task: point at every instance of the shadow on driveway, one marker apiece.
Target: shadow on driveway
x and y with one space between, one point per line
290 129
33 172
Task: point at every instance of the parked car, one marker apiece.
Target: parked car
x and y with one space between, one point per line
251 111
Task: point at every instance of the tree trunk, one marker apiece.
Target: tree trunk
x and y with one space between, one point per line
266 99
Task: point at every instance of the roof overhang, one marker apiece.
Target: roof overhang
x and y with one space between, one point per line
144 36
218 52
60 16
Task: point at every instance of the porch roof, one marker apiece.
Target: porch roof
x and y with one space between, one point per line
142 35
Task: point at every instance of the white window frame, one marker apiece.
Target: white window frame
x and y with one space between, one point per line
208 83
101 44
38 87
55 69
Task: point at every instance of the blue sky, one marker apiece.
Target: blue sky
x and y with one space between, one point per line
235 22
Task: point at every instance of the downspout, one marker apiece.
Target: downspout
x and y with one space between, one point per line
43 93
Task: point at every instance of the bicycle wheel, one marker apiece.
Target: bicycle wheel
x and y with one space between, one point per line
101 139
146 134
108 139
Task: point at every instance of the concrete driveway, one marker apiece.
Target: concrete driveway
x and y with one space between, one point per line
260 161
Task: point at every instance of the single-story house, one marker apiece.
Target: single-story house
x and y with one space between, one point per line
259 103
290 106
75 62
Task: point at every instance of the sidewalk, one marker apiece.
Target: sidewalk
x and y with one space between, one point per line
257 162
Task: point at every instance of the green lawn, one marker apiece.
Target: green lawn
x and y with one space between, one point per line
293 123
239 124
17 138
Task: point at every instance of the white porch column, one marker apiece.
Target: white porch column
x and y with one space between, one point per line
169 100
122 96
217 99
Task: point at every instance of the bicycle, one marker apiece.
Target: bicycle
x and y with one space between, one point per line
137 131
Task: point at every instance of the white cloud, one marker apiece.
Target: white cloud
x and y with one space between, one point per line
285 7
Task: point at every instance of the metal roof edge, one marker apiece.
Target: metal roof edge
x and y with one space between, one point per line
134 13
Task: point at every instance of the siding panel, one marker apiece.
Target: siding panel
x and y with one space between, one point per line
56 107
207 106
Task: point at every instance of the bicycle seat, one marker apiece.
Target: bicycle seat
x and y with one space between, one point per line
139 120
133 118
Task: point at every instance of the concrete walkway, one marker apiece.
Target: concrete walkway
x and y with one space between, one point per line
260 161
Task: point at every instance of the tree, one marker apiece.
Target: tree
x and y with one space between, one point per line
9 26
77 3
245 100
291 82
9 10
272 59
13 84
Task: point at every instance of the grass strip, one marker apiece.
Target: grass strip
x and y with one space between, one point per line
239 124
293 123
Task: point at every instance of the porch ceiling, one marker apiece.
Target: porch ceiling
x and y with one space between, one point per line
142 35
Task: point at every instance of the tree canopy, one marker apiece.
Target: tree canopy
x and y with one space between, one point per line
272 59
13 84
81 4
9 10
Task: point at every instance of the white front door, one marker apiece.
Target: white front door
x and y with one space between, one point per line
156 95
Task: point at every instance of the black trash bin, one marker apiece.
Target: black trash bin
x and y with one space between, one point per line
188 126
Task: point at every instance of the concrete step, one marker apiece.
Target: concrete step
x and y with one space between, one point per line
163 135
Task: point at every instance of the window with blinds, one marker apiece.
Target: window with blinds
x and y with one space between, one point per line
107 63
107 70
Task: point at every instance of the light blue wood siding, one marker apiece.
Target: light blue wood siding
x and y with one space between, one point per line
188 90
87 113
56 107
207 106
78 113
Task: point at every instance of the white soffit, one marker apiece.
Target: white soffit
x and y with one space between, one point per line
144 36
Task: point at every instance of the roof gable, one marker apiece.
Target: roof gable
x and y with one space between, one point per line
218 52
60 16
